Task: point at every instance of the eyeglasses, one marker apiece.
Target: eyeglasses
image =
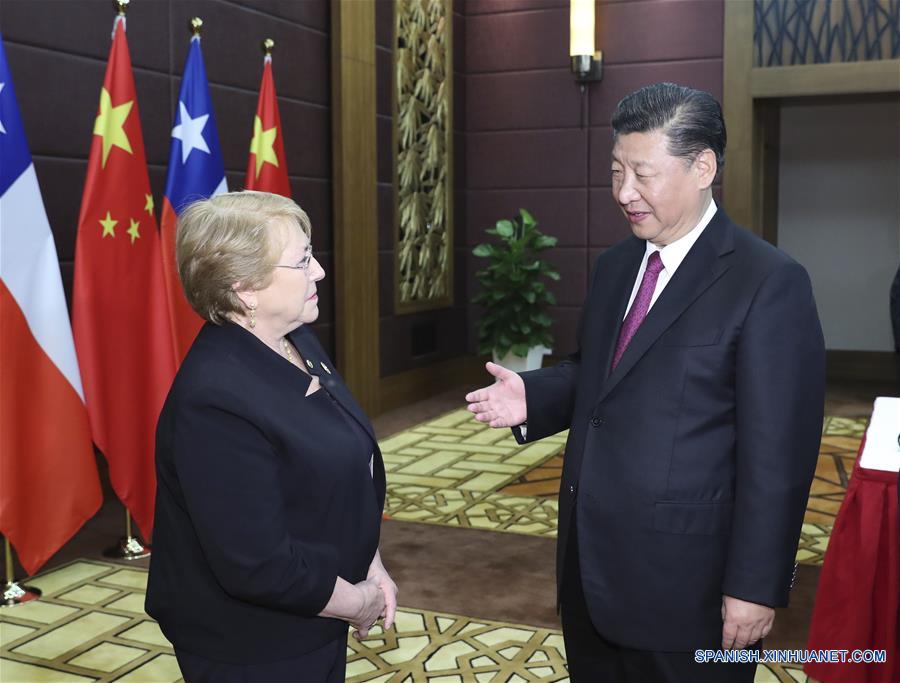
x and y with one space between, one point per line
303 264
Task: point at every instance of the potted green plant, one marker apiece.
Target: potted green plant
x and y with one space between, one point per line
515 327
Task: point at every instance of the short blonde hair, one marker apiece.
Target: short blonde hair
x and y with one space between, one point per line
230 239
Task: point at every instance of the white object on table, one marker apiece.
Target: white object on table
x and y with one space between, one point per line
882 450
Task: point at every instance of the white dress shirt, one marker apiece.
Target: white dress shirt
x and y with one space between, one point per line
671 255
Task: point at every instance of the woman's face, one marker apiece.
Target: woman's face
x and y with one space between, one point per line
290 300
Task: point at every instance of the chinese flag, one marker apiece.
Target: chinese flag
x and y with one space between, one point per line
120 315
267 169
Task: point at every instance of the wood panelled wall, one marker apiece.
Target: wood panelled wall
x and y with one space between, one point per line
417 340
57 50
525 142
518 134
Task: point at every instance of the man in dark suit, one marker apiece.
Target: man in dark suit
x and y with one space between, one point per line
694 404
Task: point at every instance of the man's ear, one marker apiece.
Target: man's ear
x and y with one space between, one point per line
705 168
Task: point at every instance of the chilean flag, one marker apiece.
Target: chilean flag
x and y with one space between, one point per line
48 476
196 171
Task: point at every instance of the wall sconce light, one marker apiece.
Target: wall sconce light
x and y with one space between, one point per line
587 64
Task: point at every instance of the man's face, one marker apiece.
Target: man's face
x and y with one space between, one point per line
662 196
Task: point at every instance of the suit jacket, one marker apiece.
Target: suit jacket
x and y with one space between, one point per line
689 465
264 497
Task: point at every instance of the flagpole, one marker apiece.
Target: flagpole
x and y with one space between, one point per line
13 593
121 7
129 547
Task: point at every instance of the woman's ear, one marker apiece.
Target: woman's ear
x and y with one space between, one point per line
246 296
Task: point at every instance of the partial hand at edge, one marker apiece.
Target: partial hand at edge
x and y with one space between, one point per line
380 576
744 623
358 604
372 609
503 403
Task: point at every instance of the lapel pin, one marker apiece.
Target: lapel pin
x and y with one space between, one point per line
309 364
325 367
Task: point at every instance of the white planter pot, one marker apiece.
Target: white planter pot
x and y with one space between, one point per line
518 364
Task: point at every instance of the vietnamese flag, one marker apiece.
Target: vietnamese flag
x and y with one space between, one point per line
267 169
120 315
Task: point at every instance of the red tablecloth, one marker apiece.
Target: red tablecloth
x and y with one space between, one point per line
858 599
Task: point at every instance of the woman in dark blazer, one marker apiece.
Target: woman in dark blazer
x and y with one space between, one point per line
270 482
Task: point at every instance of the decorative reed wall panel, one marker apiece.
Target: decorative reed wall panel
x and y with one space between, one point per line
792 32
423 70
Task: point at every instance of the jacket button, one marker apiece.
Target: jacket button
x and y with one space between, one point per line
572 489
596 421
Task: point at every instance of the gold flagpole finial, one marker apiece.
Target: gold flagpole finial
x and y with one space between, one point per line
267 46
195 25
121 6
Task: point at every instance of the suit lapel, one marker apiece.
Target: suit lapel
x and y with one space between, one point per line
704 264
329 377
616 293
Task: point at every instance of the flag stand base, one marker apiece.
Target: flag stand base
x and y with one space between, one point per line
15 594
128 548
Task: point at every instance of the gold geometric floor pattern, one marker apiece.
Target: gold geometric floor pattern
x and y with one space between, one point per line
429 646
90 626
455 471
841 437
837 454
450 471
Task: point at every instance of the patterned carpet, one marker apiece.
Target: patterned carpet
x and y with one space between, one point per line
453 471
458 472
90 626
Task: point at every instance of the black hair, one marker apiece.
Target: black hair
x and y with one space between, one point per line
691 119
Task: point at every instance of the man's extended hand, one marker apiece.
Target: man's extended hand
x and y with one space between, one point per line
503 403
744 623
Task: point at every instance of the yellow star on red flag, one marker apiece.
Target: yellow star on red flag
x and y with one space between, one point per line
133 230
148 205
109 225
109 124
262 144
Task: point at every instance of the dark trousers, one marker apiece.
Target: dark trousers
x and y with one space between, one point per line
327 664
594 659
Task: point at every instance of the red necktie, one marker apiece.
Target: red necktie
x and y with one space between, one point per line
640 306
